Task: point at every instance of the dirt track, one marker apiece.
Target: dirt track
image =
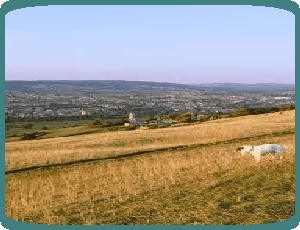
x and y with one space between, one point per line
149 151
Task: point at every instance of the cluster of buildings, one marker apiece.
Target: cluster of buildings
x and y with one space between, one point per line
142 122
85 105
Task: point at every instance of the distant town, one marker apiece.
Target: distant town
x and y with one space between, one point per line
69 102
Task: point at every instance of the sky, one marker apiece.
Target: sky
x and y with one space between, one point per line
179 44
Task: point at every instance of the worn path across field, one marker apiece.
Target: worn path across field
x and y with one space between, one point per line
148 151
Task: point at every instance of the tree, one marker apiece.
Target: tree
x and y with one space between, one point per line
31 136
28 126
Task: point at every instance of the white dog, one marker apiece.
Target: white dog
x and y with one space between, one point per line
257 151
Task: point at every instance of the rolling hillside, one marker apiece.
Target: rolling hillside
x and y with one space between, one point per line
24 154
196 177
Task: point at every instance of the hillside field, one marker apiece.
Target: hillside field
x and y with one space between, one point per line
203 181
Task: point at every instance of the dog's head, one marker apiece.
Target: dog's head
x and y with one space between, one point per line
245 148
239 149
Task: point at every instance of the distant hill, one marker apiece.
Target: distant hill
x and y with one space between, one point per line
117 86
246 88
109 86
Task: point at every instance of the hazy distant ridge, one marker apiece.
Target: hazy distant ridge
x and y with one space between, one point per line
145 87
248 88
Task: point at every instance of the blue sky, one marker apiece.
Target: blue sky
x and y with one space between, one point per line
181 44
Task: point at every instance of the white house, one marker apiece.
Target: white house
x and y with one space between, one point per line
130 117
282 98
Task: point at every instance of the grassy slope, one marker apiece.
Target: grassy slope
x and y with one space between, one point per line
100 145
55 129
204 185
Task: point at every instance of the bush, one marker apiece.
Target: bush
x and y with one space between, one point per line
132 127
184 117
45 128
97 122
31 136
28 126
153 126
109 122
241 112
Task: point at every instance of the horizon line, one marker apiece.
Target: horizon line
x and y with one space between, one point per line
170 82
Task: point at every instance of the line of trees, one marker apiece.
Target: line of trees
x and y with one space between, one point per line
260 110
187 117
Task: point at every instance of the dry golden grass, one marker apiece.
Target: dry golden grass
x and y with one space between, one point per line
24 154
203 185
194 182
